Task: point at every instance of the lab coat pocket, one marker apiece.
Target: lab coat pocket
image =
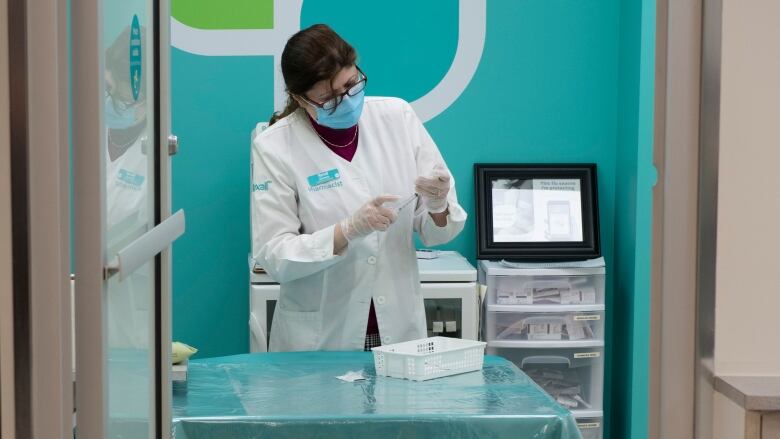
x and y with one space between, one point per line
295 330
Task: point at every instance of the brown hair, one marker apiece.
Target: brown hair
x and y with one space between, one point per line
310 56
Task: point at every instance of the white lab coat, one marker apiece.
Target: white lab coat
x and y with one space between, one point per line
324 298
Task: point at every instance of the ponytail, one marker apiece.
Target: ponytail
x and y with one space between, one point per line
289 109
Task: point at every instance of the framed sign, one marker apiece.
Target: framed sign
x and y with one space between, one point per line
537 212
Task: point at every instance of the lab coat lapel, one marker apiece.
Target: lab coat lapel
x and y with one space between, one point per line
356 190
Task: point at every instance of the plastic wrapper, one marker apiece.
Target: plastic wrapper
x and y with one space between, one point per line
563 385
297 394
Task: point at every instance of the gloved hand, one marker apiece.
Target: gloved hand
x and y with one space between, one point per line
434 189
371 217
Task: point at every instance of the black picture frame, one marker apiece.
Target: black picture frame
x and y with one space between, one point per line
487 248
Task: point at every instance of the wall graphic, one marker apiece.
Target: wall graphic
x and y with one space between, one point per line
204 31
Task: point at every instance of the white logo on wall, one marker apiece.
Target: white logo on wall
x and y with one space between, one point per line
287 20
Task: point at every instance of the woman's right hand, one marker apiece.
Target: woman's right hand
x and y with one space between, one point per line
371 217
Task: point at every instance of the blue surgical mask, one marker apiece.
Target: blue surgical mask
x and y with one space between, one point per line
118 119
346 114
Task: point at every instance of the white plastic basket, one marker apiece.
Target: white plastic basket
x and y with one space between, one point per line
429 358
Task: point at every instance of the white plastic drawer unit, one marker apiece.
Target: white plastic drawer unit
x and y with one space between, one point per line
562 286
544 329
574 377
590 428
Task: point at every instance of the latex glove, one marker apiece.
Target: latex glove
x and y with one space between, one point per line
371 217
434 189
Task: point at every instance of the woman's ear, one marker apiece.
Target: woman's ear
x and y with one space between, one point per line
308 108
301 102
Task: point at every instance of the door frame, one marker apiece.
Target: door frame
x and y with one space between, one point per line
7 386
675 219
164 178
38 116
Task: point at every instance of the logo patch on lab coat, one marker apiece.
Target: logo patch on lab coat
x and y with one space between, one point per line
262 187
324 180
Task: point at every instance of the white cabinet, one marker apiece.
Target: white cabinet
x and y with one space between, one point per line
550 323
262 300
448 285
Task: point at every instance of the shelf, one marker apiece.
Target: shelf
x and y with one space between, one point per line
545 308
494 268
579 414
546 344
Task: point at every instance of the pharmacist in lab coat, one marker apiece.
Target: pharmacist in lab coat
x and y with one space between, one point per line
328 175
129 202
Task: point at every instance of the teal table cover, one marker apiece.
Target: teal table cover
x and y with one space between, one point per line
297 395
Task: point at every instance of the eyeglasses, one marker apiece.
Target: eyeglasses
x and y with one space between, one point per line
352 90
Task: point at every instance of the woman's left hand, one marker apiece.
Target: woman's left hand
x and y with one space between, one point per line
434 189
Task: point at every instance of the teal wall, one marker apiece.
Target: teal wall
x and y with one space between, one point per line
559 81
633 232
216 103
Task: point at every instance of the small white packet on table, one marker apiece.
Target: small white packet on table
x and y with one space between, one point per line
352 376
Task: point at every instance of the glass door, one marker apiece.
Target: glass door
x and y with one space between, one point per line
123 226
130 211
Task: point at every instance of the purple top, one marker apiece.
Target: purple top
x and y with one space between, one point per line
343 142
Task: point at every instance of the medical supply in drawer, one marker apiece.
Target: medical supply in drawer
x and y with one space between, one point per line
558 292
530 326
563 385
573 377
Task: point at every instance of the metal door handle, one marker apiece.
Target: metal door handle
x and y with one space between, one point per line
173 144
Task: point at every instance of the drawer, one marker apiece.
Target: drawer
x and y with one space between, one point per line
544 327
573 377
545 290
590 428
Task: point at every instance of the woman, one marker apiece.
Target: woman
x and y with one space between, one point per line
327 174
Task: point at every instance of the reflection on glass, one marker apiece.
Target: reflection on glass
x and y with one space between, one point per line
129 162
513 208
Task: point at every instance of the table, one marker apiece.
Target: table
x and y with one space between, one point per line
296 395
